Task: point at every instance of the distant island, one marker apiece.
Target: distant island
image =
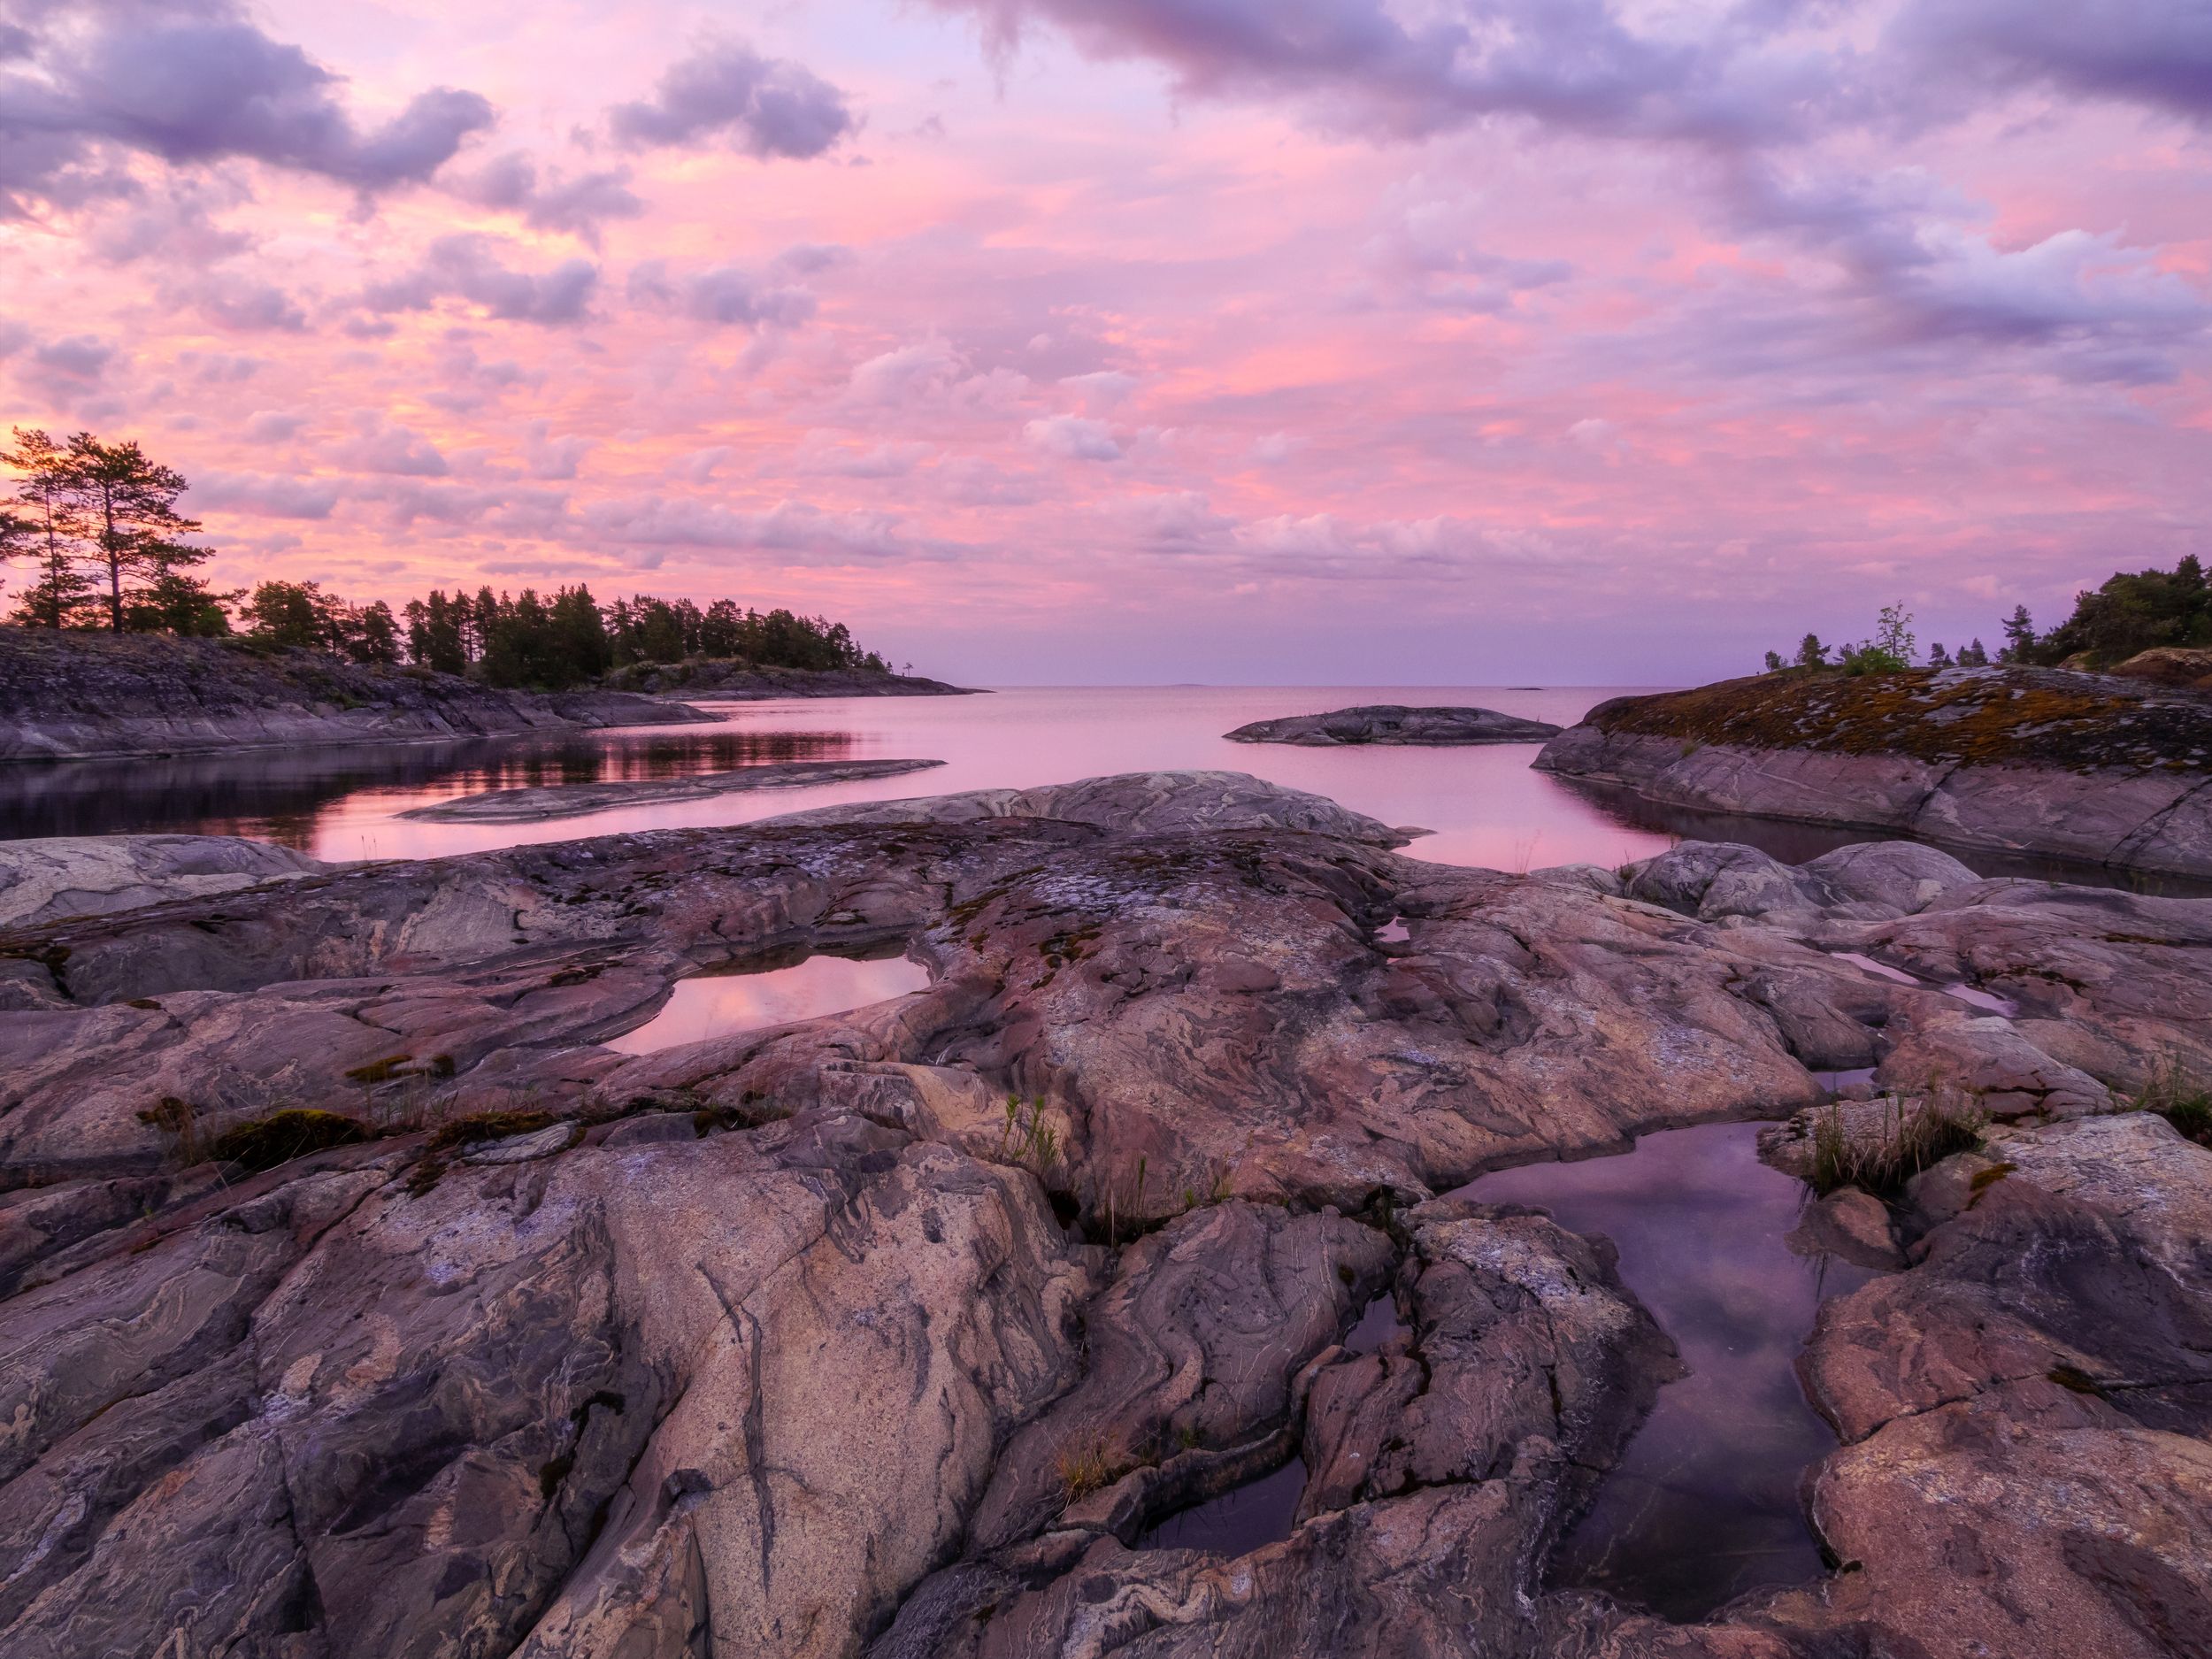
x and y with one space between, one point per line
1390 722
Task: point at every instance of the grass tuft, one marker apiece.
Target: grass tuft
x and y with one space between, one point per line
282 1136
1911 1140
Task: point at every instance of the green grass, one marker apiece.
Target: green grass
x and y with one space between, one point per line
2179 1098
1910 1141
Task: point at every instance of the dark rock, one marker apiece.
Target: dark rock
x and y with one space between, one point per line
719 679
1394 723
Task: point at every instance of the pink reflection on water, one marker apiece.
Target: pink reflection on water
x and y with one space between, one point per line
719 1005
1485 806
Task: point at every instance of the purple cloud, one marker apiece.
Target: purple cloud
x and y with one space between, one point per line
769 107
195 89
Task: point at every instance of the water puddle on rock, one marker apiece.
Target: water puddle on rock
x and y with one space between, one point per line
721 1005
1238 1521
1703 1505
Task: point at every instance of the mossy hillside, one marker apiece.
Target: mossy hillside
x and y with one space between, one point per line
1989 717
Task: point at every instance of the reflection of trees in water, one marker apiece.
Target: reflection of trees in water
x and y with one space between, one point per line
281 795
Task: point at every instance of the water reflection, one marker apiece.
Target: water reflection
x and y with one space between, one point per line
1238 1521
1703 1505
306 798
722 1004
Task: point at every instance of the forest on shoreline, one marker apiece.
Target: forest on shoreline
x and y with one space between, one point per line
100 525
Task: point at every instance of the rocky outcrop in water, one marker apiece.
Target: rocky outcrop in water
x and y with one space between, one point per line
355 1298
2081 767
721 680
66 695
574 799
1390 723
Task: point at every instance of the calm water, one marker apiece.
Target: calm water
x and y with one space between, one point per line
716 1005
1237 1522
1704 1504
1486 805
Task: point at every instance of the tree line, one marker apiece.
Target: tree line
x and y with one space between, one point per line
2131 612
99 522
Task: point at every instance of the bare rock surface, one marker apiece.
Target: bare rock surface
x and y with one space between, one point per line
892 1332
1390 722
574 799
82 875
66 695
2090 768
1141 803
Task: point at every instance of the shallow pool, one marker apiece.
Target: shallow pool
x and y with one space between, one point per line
1704 1504
721 1005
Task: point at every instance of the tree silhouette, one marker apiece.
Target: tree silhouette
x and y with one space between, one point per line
48 494
132 503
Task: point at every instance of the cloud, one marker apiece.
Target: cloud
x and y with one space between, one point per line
767 107
2156 53
1575 65
230 301
394 450
80 356
268 496
1073 436
270 426
1922 274
578 205
468 267
193 89
725 295
797 529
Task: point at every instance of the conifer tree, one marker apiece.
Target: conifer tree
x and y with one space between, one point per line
49 498
131 504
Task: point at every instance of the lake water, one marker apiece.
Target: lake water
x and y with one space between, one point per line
337 803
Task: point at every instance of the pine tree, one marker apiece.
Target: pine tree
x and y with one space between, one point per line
49 495
2019 636
375 634
132 505
1811 653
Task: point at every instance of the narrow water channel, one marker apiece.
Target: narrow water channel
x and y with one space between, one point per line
722 1004
1703 1505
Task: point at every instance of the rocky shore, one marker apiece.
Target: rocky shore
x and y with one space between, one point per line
76 696
1390 723
2100 770
359 1299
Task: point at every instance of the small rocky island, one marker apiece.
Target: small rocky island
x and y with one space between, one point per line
2108 770
357 1298
1390 723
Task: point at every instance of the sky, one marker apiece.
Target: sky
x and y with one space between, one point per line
1098 341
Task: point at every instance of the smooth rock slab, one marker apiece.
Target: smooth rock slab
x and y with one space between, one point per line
1392 723
45 880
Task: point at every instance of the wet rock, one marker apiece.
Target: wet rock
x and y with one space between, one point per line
1850 1223
1397 723
574 800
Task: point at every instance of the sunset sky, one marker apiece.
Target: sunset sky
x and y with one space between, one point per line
1322 341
